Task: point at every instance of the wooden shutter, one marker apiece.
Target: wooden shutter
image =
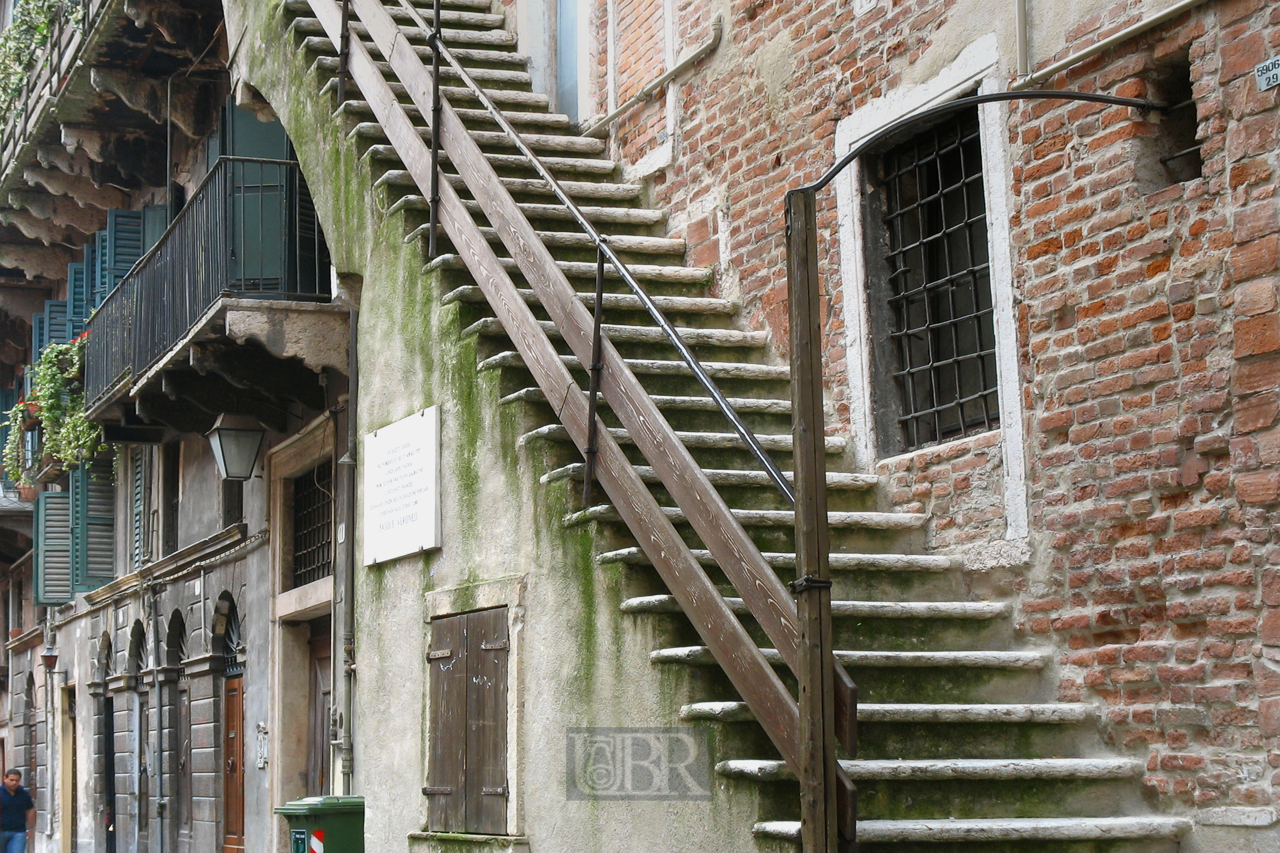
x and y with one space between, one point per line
155 221
487 722
93 526
446 776
467 776
53 548
124 244
139 499
78 290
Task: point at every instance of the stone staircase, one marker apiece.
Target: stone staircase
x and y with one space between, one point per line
957 742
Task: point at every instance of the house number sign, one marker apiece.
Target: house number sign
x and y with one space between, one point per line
1267 73
402 487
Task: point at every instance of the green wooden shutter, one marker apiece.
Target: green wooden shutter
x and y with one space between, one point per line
53 548
92 527
139 475
155 221
78 290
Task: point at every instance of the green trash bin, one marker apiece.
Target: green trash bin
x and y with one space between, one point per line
325 824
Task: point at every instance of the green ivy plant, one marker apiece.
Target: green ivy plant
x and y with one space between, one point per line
23 41
57 392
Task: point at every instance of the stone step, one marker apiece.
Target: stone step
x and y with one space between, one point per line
561 240
772 517
694 305
727 338
733 441
849 609
997 829
724 477
526 186
448 17
652 367
1062 714
742 405
991 769
321 45
329 65
701 656
311 27
557 165
362 110
649 273
540 142
629 216
504 99
838 562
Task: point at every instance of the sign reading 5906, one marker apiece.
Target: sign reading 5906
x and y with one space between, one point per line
1267 73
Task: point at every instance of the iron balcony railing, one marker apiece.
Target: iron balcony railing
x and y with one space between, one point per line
249 230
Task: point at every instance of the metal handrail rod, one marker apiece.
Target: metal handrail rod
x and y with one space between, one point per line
656 85
744 432
964 103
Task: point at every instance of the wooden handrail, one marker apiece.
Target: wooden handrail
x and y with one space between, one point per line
729 543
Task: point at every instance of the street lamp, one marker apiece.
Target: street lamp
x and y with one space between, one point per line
236 440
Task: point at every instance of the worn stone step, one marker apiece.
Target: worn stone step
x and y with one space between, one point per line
654 367
557 165
648 273
906 712
312 28
626 216
361 109
838 562
455 17
486 77
504 99
486 139
526 186
836 481
728 338
993 769
469 57
731 440
693 305
1032 660
774 517
997 829
742 405
624 243
849 609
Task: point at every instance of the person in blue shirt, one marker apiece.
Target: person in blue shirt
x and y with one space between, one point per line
17 813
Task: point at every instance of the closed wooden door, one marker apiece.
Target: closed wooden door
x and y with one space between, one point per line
233 765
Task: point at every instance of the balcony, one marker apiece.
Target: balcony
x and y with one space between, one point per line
246 243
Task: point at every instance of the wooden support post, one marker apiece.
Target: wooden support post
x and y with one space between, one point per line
818 807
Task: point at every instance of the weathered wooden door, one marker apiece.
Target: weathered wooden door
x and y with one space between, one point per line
233 766
318 747
467 774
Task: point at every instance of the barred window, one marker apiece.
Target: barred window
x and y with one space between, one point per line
313 524
930 282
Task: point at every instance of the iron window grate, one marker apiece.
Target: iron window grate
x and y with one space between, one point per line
313 525
942 334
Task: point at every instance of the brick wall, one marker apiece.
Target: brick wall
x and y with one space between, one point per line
1149 344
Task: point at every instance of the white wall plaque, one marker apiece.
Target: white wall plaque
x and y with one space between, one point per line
402 487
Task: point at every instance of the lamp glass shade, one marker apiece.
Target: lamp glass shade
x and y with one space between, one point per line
236 441
49 657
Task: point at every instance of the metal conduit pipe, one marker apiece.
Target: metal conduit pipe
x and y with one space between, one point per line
712 42
160 709
1098 47
1023 35
346 744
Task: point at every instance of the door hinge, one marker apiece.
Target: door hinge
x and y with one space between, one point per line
494 646
495 792
439 653
436 789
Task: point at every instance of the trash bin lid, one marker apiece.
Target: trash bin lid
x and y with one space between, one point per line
321 805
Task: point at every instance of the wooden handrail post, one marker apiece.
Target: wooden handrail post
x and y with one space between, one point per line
818 807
